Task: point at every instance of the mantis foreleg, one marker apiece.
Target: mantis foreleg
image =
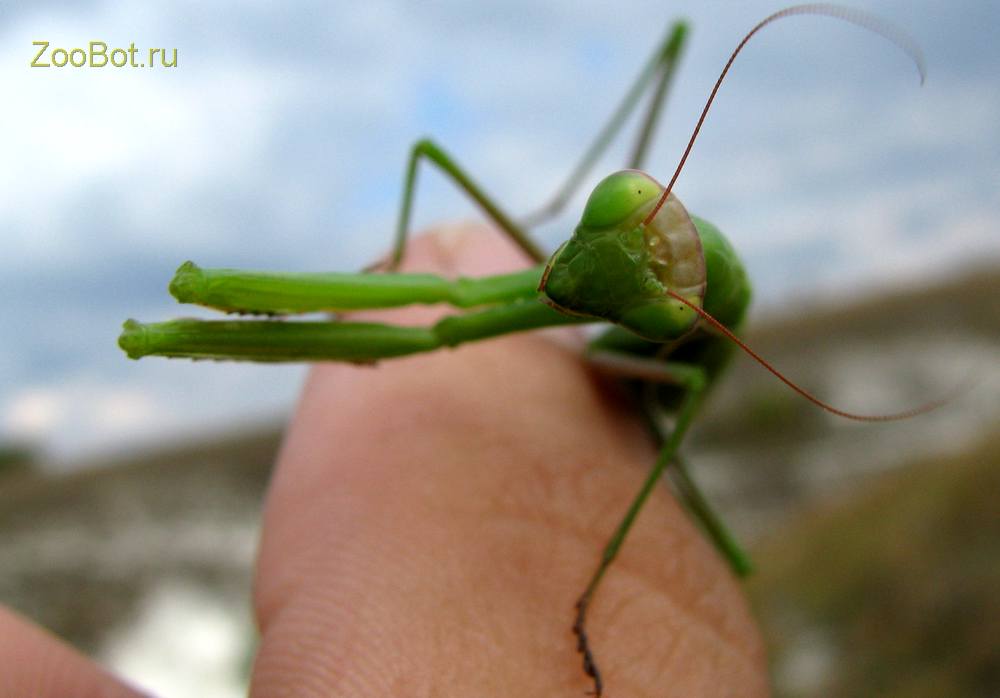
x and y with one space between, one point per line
283 293
358 342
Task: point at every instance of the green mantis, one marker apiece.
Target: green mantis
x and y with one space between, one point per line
671 285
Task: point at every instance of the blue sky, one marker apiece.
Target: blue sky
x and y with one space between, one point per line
279 141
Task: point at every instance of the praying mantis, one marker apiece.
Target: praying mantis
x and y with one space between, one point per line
670 283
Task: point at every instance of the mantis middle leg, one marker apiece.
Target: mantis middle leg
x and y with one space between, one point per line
660 67
693 379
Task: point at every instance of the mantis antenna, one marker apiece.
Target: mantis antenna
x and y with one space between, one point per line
905 414
861 19
908 46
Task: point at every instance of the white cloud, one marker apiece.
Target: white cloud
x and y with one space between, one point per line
183 626
82 411
84 414
32 414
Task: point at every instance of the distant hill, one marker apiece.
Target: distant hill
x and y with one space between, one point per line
892 591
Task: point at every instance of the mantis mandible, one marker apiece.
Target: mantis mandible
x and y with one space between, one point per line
670 283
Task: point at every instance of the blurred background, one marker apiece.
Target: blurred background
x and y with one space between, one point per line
865 207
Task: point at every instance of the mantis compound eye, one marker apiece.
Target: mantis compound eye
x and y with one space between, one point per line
618 197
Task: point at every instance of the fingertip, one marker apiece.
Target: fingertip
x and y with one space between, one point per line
36 663
466 248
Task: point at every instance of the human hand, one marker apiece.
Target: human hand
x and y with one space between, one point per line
431 523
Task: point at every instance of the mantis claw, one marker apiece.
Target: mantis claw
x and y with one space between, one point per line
583 647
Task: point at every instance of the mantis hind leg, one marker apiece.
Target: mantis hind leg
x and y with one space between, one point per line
660 67
693 498
426 148
670 51
711 524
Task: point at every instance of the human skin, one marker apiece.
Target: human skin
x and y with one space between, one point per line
431 522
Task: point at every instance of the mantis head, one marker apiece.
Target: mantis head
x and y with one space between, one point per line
618 266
